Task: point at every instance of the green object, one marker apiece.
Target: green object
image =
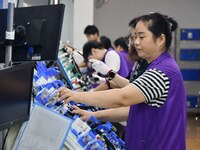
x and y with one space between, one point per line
70 67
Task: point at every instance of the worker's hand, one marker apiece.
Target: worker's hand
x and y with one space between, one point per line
67 95
83 113
69 49
100 66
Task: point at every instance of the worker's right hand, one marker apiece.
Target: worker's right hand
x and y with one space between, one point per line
68 95
99 66
83 113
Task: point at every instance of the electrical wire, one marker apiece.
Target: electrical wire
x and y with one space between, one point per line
4 141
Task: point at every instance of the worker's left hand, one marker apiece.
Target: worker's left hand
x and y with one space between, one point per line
83 113
67 95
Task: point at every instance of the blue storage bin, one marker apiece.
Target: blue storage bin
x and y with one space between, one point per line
190 54
192 101
191 74
190 34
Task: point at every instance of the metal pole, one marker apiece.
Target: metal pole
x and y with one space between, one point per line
8 49
9 34
54 2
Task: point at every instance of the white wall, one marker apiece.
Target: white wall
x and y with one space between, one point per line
67 28
112 18
83 16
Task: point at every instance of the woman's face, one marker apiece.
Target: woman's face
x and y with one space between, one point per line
145 44
96 54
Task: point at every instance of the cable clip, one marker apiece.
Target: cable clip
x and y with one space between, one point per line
10 35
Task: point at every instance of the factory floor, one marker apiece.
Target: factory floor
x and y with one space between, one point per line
193 130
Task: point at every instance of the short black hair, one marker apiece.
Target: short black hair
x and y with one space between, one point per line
91 29
121 41
106 42
87 48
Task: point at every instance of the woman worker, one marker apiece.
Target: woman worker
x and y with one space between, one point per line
157 116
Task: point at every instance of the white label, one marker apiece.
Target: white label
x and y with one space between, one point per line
38 57
10 35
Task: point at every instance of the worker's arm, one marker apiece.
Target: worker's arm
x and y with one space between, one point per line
82 64
113 98
112 115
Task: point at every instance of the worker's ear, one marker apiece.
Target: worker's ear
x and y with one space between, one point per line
93 51
162 40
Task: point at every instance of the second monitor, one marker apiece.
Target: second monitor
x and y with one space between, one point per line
37 33
15 94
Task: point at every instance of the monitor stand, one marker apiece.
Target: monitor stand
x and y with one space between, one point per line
8 53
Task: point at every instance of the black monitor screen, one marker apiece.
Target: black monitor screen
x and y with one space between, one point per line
37 33
15 94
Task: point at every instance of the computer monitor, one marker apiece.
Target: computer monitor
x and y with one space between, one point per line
37 33
15 94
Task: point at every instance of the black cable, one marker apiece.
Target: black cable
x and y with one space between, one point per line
50 64
78 52
108 143
108 84
4 141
